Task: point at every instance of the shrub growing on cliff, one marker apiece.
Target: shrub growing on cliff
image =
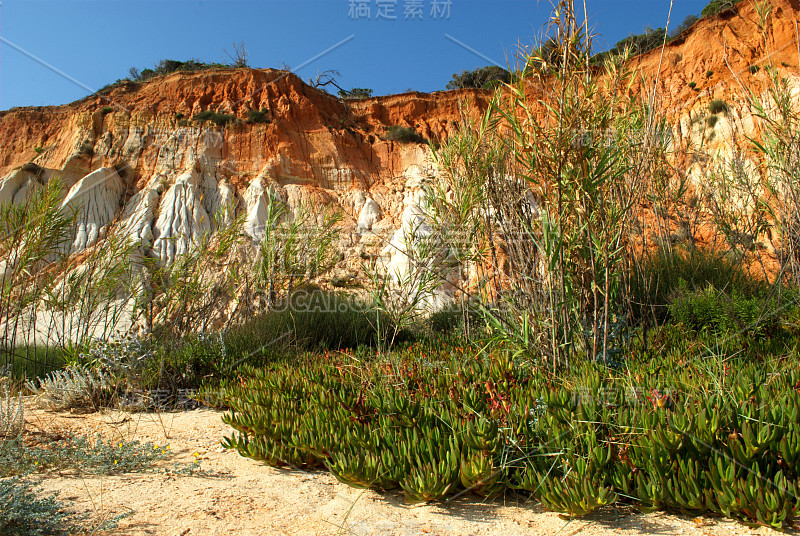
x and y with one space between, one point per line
717 106
636 43
687 23
258 116
164 67
481 78
217 118
403 135
716 7
356 93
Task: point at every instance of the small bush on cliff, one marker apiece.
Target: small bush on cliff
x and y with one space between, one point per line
685 25
481 78
638 44
217 118
403 135
356 93
164 67
717 106
257 116
86 149
716 7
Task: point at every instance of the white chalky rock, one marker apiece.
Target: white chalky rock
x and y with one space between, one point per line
401 247
358 199
226 208
370 214
415 176
137 219
257 207
95 200
182 220
419 265
218 199
16 186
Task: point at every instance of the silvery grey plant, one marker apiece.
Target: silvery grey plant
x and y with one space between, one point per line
75 387
12 415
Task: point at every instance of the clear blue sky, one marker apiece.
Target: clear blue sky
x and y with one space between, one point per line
96 41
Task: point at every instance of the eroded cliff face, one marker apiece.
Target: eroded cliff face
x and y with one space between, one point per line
132 158
171 175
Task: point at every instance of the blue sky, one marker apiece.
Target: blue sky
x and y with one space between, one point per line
96 41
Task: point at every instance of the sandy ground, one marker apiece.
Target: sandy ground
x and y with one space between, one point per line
237 496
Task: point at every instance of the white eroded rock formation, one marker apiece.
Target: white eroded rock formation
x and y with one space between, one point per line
95 200
182 219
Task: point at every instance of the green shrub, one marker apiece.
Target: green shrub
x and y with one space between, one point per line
754 69
454 318
312 321
86 148
692 85
179 364
709 74
687 23
356 93
481 78
717 106
668 271
179 116
165 67
711 121
39 150
403 135
717 6
258 116
105 110
641 43
719 312
217 118
34 361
